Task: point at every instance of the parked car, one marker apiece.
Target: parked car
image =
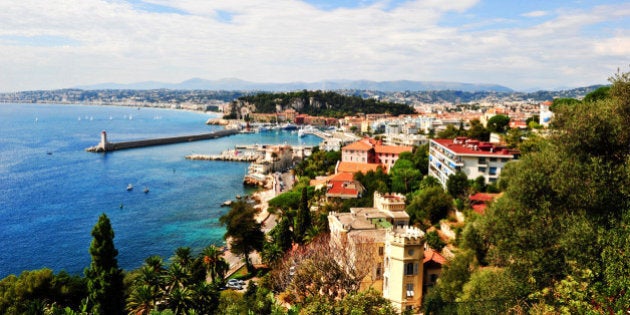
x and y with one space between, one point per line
236 282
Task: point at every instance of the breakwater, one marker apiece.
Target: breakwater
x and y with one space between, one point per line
106 146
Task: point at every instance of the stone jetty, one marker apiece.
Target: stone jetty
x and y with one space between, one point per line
229 155
106 146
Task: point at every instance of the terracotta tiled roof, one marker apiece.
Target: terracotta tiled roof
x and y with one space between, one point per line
359 146
353 167
342 177
392 149
480 208
431 255
343 185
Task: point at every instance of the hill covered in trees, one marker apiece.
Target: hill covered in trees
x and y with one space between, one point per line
319 103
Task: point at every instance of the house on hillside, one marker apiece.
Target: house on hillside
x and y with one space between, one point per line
371 151
396 250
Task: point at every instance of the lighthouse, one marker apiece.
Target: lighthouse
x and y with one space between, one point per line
103 145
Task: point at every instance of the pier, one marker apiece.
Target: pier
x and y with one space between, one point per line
106 146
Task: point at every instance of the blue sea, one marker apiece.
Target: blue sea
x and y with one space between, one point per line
52 191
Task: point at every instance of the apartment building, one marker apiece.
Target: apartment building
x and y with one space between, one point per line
473 157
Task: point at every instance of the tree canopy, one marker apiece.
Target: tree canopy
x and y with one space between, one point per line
320 103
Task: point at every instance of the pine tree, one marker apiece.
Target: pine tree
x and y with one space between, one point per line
105 279
303 222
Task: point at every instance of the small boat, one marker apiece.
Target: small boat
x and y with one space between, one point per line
49 153
146 190
227 203
289 127
129 187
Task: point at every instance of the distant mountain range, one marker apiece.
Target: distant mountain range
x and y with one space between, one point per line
232 84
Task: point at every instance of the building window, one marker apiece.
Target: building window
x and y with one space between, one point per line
410 252
493 171
481 169
408 269
482 160
493 159
379 271
409 290
505 160
411 269
380 250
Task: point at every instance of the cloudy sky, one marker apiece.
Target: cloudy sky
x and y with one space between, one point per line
523 44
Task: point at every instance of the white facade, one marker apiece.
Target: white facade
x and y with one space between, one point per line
474 158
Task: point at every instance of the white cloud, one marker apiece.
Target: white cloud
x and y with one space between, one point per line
289 40
535 14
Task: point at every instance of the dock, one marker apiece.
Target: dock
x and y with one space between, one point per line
106 146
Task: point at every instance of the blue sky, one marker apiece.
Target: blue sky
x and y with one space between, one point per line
520 44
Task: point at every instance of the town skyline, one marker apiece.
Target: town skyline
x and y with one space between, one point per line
524 46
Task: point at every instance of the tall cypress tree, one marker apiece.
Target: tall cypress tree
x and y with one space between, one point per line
303 222
105 279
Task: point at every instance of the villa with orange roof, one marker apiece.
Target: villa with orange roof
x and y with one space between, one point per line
371 151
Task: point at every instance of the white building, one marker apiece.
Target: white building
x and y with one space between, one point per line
474 158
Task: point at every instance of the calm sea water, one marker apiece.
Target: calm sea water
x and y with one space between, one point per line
52 191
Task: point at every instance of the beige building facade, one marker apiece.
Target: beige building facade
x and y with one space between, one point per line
395 251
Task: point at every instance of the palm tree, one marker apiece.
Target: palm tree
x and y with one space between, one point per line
177 277
216 266
271 253
183 256
180 300
142 300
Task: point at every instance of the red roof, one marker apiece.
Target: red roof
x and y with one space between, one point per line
480 208
431 255
343 185
483 197
474 147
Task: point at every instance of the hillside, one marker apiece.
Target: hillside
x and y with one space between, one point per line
318 103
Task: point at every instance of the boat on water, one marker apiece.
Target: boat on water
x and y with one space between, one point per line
227 203
289 126
129 187
146 190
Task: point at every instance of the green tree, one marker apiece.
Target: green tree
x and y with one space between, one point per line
434 241
303 220
498 123
449 133
421 158
105 279
478 131
489 291
457 185
429 206
405 177
282 234
243 230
